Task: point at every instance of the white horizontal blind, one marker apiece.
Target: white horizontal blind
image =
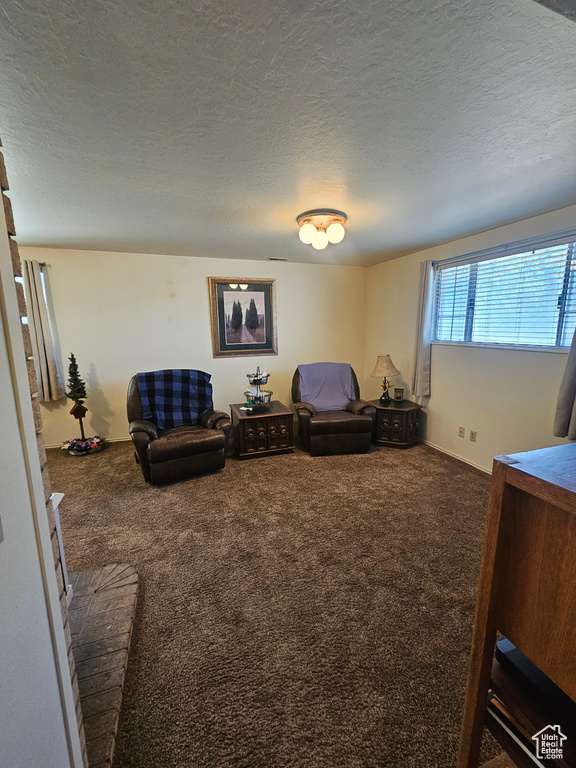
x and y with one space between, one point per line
524 299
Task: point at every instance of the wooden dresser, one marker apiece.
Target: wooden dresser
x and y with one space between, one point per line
527 592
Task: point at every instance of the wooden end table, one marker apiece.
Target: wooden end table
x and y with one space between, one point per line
265 433
396 424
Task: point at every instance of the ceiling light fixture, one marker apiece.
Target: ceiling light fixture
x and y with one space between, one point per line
321 226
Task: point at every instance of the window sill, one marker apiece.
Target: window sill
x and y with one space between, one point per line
504 347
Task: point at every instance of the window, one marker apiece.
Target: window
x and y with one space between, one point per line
523 298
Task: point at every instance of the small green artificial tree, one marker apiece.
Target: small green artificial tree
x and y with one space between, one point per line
76 386
76 391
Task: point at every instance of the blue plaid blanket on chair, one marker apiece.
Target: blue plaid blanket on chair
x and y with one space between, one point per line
174 398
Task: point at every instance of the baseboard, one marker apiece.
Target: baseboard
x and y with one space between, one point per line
455 455
426 442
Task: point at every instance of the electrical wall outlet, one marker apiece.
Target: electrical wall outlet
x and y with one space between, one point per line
472 435
461 432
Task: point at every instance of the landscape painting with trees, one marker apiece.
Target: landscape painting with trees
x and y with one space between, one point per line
243 316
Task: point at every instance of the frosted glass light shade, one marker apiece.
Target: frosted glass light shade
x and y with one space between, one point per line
320 240
307 233
321 226
335 232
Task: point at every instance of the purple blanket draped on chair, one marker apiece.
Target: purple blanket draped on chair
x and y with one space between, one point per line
327 386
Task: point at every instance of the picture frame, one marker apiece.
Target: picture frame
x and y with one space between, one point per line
243 316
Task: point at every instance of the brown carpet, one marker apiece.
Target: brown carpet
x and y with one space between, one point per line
294 611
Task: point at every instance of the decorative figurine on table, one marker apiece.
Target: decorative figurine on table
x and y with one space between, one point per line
257 399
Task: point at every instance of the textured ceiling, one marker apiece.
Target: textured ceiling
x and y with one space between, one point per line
204 128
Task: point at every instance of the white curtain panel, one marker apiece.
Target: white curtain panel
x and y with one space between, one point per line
565 419
423 345
43 334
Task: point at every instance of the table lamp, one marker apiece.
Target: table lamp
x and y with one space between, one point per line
384 370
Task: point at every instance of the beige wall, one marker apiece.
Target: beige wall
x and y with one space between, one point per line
124 313
507 397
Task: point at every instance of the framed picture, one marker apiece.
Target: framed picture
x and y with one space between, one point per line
243 316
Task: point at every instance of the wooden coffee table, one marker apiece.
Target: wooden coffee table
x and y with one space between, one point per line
263 434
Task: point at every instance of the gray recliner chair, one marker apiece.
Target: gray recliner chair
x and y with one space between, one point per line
195 447
344 428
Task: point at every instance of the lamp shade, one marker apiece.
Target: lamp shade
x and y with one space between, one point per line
384 368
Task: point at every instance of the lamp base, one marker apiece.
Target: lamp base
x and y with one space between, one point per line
385 399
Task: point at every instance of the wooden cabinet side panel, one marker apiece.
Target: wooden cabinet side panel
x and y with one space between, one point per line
413 426
484 632
536 606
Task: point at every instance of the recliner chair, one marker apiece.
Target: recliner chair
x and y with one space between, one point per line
334 420
195 447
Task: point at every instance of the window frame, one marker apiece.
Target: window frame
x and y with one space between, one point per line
532 244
